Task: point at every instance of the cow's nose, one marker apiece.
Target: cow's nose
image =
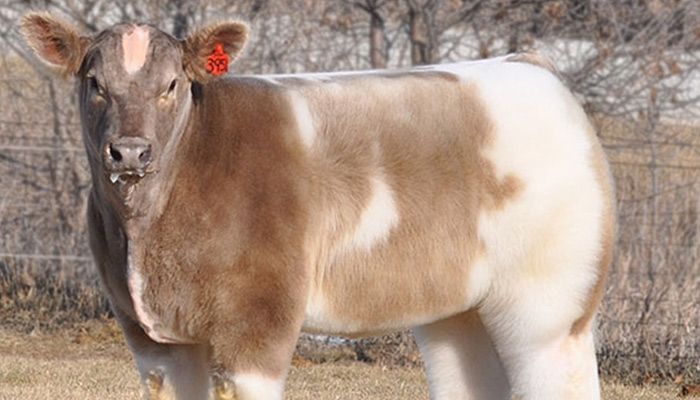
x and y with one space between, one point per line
129 153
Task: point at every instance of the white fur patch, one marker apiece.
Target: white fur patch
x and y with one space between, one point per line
479 282
461 361
553 253
305 121
135 48
316 318
466 69
563 368
378 218
542 246
136 285
252 386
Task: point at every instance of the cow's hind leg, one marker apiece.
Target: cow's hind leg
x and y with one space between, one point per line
168 372
562 367
461 362
546 353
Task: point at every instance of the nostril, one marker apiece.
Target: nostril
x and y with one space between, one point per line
145 156
115 154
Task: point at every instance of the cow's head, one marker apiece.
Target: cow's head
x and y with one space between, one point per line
135 89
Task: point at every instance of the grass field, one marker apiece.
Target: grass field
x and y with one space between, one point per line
93 363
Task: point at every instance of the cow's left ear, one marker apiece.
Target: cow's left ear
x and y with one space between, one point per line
209 50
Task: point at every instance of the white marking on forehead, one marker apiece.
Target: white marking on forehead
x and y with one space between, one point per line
378 218
305 121
135 48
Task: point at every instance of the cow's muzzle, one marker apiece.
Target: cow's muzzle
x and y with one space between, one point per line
127 158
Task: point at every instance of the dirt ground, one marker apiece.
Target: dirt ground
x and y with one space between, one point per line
94 364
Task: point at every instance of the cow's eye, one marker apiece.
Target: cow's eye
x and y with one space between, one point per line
171 90
96 88
172 86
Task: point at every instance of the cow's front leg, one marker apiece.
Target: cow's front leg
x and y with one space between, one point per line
254 339
255 368
249 386
252 371
168 371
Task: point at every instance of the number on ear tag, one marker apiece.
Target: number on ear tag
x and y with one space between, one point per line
217 62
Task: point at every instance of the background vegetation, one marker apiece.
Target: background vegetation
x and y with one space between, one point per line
634 64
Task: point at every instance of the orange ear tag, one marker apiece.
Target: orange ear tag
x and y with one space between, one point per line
217 62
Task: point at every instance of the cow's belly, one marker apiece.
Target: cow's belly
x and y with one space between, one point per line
323 318
396 287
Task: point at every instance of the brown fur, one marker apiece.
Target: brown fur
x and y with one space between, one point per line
241 252
441 182
248 216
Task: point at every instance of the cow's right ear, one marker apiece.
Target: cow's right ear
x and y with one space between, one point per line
55 42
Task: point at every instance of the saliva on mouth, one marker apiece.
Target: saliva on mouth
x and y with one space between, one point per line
123 186
126 176
125 181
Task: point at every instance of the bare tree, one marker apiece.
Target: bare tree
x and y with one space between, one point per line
378 52
428 20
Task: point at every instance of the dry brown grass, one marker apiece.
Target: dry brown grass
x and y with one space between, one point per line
92 363
649 322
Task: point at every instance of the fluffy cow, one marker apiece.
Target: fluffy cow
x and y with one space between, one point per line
470 202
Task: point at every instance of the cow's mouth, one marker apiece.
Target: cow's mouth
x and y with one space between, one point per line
126 180
123 177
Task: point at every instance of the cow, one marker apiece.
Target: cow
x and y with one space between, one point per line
470 202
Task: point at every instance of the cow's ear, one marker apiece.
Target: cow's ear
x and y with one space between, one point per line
209 50
55 42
